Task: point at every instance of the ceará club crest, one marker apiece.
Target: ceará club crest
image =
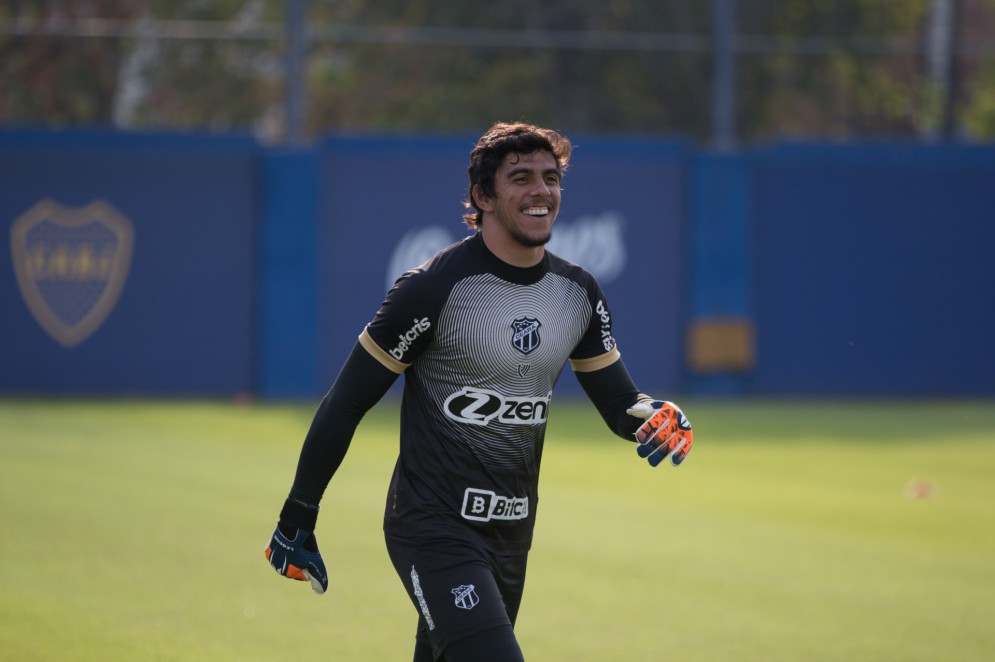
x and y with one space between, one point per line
525 334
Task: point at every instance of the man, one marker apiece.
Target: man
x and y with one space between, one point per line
481 332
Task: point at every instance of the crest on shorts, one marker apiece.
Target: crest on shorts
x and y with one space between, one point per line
71 264
525 334
466 596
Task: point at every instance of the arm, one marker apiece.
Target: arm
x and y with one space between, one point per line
361 383
661 428
613 392
293 548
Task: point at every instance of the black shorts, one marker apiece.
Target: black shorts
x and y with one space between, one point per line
457 588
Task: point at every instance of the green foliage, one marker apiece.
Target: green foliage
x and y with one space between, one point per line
979 116
795 531
843 93
446 87
368 81
58 80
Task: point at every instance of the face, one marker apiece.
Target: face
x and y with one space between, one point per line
526 200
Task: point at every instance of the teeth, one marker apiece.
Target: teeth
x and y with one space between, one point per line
537 211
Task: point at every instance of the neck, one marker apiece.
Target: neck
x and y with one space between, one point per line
510 251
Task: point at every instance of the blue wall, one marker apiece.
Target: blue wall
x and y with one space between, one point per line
183 322
287 273
873 269
861 269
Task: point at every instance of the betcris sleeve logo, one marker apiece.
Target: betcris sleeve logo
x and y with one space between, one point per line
607 341
406 340
477 406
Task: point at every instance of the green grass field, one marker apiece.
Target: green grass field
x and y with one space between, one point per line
795 531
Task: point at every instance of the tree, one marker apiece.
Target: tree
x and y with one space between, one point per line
834 68
59 79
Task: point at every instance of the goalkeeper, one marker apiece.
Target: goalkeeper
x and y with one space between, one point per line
481 332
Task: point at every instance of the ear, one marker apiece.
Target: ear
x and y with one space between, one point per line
484 202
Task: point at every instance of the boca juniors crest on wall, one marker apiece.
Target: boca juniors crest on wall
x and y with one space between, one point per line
71 265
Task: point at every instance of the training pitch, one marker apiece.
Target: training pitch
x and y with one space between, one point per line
831 530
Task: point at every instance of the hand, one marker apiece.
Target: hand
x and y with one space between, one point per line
666 431
294 553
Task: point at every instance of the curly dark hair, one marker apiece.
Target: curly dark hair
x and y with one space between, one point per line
500 140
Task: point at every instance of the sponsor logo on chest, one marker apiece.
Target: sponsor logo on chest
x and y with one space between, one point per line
486 505
478 406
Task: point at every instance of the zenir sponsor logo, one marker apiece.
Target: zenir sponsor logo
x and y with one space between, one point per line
71 265
479 406
485 505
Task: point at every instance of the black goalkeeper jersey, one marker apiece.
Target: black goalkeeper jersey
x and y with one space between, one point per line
481 344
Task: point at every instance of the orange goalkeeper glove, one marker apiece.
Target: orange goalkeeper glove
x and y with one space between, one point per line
666 431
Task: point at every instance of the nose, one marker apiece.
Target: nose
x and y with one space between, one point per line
541 188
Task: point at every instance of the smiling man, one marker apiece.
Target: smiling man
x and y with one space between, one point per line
522 197
481 332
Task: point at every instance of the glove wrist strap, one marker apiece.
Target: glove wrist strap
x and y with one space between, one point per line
299 515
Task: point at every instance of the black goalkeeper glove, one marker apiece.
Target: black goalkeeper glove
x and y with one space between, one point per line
293 548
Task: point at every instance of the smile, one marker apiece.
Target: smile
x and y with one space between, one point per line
537 211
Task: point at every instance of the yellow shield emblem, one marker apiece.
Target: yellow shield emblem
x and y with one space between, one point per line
71 265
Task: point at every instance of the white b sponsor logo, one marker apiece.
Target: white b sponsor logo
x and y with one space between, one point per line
485 505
